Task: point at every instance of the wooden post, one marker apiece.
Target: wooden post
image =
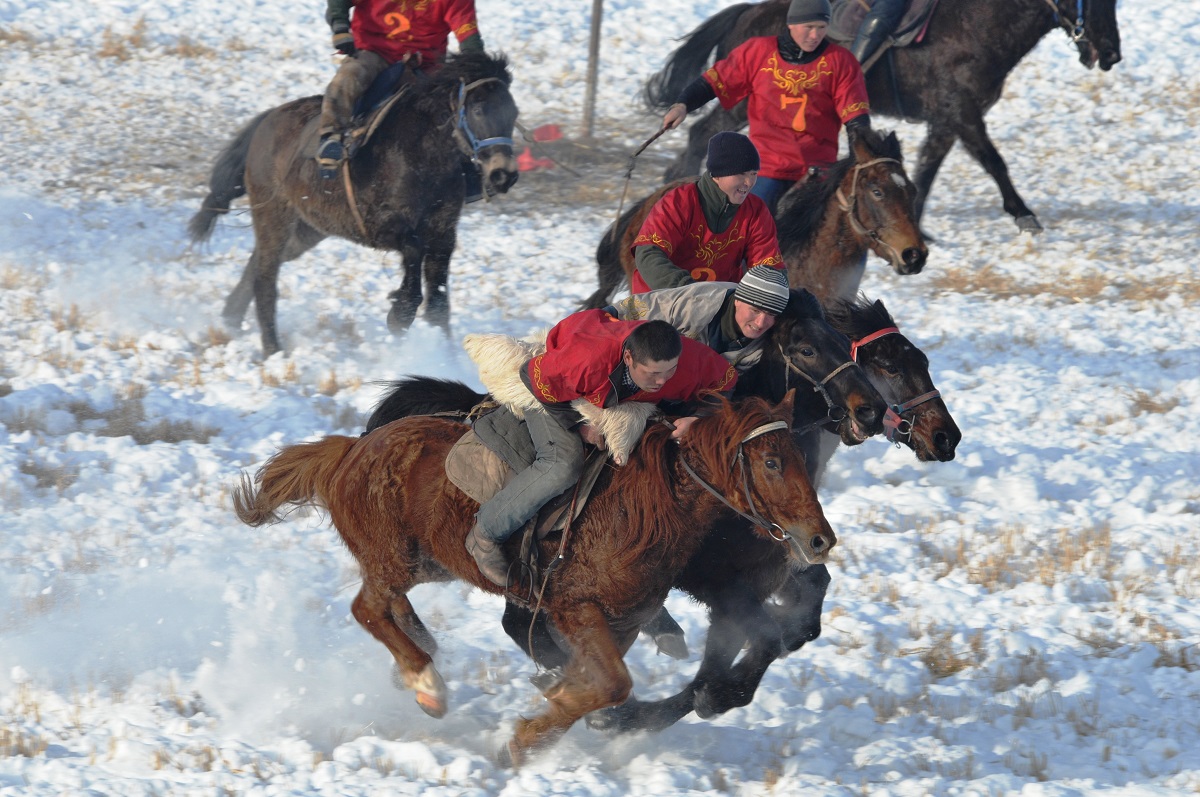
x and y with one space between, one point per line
589 97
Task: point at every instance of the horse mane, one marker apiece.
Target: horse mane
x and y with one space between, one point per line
644 486
807 203
857 318
430 94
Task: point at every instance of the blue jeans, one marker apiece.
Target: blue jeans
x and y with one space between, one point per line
558 466
769 189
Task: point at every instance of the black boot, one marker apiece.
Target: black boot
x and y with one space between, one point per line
489 556
329 155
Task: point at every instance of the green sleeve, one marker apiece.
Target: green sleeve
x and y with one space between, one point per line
471 44
337 11
657 269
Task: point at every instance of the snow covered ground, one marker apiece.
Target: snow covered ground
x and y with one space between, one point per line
1021 620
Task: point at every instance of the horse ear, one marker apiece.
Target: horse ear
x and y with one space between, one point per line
859 145
786 405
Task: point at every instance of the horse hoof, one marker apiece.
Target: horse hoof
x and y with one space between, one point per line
1029 224
673 645
612 720
399 320
432 705
509 756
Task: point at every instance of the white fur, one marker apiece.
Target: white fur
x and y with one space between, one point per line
500 357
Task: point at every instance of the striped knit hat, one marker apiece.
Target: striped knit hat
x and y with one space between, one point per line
765 288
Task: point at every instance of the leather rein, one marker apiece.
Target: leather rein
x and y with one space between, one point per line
894 426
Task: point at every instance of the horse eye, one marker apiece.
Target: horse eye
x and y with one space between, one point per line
771 464
877 193
807 351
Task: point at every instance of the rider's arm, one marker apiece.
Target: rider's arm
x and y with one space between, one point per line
696 94
657 269
338 11
471 44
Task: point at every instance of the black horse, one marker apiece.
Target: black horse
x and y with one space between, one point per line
949 81
403 190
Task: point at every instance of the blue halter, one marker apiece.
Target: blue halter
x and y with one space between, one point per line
474 143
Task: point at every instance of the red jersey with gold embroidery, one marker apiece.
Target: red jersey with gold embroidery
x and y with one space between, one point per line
584 349
676 224
796 110
394 28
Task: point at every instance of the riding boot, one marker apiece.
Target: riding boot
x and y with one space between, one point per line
330 153
472 182
489 556
870 37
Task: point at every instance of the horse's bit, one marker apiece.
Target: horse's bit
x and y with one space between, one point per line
835 413
849 206
463 135
754 516
1077 30
894 426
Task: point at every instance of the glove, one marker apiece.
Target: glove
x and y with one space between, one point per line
343 39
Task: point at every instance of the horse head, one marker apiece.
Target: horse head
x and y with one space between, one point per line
813 356
917 415
745 454
485 116
1092 26
882 202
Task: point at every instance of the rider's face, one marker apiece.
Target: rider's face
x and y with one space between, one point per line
650 376
808 35
737 186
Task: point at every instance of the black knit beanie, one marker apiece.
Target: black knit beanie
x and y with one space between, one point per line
801 11
731 153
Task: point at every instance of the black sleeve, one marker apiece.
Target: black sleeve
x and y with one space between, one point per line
859 123
697 94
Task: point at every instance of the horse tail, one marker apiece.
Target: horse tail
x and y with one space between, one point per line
227 182
422 395
298 474
690 59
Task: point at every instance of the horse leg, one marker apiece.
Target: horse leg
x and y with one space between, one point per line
801 599
935 148
973 134
279 236
440 232
239 298
687 164
737 615
524 628
595 677
374 608
407 298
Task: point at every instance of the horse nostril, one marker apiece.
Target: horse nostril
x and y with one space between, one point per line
818 543
914 258
867 415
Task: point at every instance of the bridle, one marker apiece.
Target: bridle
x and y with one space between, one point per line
834 414
1077 30
463 135
894 426
849 206
754 516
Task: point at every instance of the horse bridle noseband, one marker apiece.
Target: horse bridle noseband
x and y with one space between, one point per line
754 516
463 135
849 206
894 426
835 414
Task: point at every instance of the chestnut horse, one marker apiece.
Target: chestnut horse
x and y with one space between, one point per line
389 498
402 191
865 203
949 81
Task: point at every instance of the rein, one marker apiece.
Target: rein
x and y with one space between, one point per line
849 206
629 175
774 529
894 425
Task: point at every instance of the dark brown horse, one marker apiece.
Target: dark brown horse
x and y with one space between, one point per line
866 203
740 619
389 498
949 81
402 191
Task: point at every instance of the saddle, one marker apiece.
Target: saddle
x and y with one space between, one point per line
848 15
373 106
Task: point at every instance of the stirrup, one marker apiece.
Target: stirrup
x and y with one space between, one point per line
329 157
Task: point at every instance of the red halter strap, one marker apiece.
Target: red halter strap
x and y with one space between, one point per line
855 345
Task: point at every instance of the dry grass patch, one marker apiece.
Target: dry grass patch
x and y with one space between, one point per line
128 418
941 657
122 46
16 36
1067 288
